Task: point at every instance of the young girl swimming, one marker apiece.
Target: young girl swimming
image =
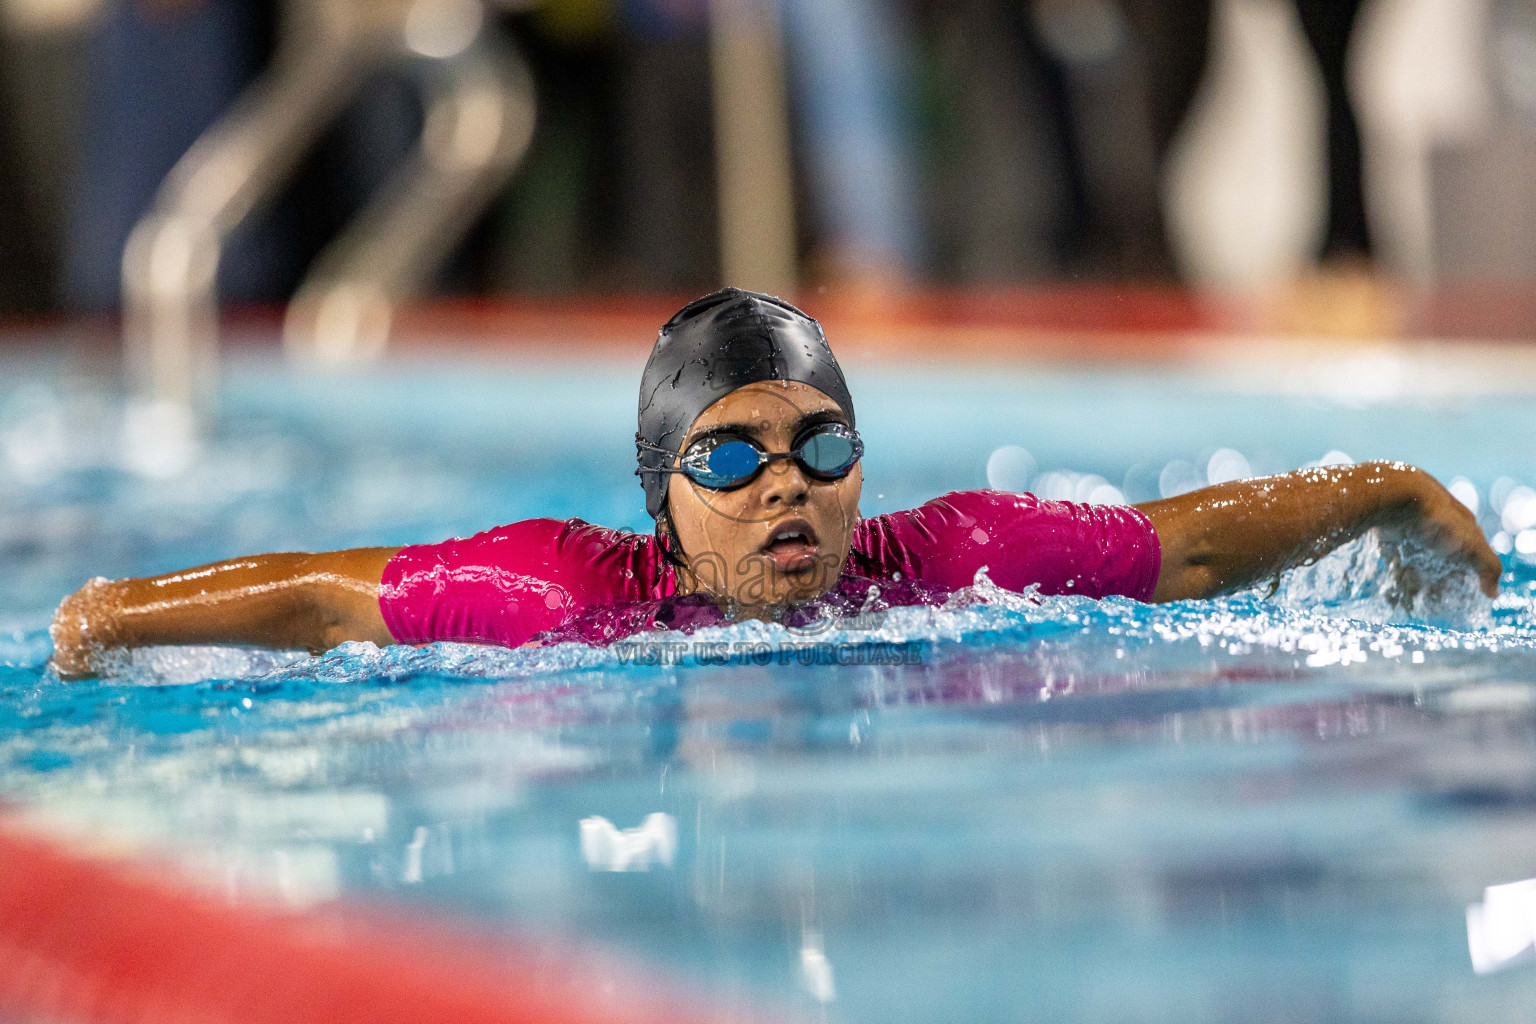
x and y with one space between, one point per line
750 461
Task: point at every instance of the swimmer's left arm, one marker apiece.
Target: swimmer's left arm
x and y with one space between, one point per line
1235 535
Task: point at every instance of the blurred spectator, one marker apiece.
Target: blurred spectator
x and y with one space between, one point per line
966 141
1066 113
848 60
997 181
851 81
1329 25
157 74
1048 158
40 58
25 256
554 229
667 192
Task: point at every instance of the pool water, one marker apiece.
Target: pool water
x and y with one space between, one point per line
1261 808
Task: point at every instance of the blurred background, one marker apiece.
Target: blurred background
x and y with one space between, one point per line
1326 153
1107 250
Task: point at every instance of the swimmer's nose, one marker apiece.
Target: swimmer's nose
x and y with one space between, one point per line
785 484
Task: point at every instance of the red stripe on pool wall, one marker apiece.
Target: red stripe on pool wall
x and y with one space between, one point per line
89 942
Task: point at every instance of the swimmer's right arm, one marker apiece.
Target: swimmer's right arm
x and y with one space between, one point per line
283 601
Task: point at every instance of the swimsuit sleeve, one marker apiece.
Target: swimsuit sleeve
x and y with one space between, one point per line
506 584
1064 547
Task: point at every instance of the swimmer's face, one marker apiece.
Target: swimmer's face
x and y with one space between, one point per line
737 543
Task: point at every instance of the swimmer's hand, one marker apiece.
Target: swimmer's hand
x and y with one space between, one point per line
77 631
1235 535
283 601
1434 520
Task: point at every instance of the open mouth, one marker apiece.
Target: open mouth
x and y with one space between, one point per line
791 547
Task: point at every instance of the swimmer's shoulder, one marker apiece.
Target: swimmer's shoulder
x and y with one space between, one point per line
960 508
552 549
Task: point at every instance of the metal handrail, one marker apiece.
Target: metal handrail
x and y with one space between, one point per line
479 123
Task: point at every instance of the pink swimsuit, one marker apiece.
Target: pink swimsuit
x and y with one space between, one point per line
506 585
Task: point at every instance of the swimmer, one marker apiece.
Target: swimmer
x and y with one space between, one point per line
749 456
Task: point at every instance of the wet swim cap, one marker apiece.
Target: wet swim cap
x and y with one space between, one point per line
713 346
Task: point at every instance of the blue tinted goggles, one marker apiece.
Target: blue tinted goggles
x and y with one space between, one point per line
724 462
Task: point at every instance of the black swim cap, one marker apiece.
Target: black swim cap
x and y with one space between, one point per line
713 346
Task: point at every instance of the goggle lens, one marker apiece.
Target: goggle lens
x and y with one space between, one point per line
827 453
728 463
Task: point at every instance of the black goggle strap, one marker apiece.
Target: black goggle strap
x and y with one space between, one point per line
642 446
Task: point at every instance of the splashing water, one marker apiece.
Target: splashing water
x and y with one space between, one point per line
1347 606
